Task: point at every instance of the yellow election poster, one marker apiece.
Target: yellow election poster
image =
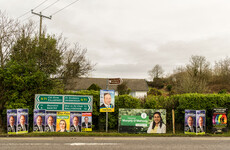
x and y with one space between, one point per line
63 121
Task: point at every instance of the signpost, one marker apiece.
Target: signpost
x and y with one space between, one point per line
74 103
111 81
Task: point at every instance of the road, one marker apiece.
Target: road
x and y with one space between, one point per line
120 143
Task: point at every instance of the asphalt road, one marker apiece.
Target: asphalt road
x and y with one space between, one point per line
120 143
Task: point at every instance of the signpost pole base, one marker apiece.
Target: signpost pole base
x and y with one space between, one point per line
106 122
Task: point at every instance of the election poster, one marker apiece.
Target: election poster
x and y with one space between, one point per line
63 121
11 121
22 120
86 122
190 122
75 121
200 122
219 120
39 120
107 100
50 119
142 120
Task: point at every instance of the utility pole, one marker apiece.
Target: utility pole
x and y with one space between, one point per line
41 16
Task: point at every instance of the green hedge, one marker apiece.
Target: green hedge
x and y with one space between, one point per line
177 102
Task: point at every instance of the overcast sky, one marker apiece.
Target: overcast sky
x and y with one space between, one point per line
126 38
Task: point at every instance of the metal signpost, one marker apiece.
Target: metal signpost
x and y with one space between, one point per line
111 81
73 103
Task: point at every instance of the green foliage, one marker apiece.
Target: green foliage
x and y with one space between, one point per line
169 87
94 87
223 91
154 91
123 89
42 52
19 84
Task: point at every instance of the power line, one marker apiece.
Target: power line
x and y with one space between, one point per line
33 9
65 7
50 5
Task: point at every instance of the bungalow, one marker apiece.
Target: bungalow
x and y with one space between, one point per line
139 87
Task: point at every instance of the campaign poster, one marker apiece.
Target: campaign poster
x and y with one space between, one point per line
142 120
200 122
107 100
39 120
190 122
22 120
75 121
86 122
63 121
50 119
219 120
11 121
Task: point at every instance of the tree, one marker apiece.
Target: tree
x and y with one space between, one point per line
18 85
75 63
194 77
156 72
123 88
42 52
8 31
94 87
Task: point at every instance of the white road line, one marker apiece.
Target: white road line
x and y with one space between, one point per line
117 139
211 139
19 138
93 144
27 144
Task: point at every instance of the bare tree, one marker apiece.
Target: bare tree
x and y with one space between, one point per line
194 77
75 63
8 31
156 72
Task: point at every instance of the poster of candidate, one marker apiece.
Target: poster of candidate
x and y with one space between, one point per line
22 120
142 120
39 120
107 100
50 118
11 121
190 122
63 121
86 122
75 121
200 122
219 120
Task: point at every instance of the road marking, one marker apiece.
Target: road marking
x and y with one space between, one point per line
211 139
27 144
93 144
121 139
9 138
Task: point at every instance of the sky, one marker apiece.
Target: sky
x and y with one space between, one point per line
127 38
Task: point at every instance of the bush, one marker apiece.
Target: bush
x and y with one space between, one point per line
154 91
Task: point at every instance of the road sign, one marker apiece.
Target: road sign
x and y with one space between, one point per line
50 107
77 107
74 103
49 98
115 81
77 99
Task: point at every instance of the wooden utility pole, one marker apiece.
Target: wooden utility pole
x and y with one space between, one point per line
41 16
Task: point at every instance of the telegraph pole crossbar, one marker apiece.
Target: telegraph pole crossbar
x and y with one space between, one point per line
41 16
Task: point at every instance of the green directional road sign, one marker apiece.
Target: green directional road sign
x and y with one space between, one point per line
74 103
51 107
78 107
48 98
77 99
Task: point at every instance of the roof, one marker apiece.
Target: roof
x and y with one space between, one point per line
76 84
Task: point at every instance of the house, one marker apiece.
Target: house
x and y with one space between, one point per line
139 87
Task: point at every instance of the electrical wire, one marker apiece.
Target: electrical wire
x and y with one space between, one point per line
32 9
50 5
64 7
